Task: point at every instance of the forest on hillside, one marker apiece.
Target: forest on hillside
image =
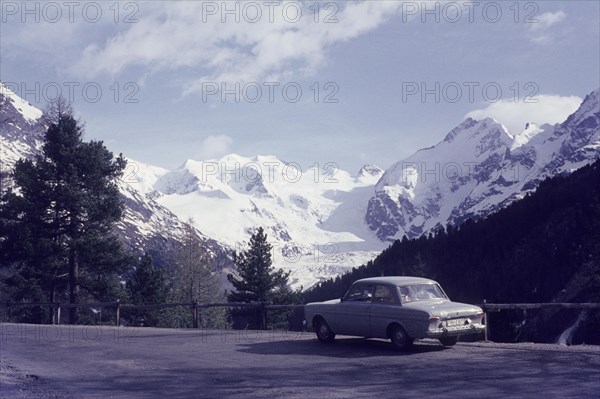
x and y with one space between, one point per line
543 248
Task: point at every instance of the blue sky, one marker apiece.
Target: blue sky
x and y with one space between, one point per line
369 62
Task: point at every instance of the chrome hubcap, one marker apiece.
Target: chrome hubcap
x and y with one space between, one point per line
399 336
323 330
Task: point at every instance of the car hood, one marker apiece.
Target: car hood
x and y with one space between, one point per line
443 308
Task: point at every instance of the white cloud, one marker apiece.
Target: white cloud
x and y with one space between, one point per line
214 147
183 36
540 30
514 115
547 19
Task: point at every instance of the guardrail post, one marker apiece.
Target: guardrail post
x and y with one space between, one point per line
195 314
58 314
118 313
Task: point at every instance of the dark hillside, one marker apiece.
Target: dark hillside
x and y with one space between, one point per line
543 248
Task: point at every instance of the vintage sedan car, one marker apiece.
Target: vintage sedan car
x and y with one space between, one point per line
401 309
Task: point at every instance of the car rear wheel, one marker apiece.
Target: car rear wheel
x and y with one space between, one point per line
400 338
324 333
449 341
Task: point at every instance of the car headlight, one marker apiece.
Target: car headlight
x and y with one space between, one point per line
435 323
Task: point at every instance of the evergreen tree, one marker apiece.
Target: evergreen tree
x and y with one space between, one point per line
258 280
58 220
147 285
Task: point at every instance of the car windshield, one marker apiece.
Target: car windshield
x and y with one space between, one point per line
420 292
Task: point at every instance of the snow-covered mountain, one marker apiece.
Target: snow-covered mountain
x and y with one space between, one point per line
322 221
478 168
20 132
146 225
313 217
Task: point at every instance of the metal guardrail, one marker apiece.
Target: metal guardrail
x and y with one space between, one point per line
497 307
117 306
265 307
494 307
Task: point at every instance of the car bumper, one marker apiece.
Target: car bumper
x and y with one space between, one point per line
453 331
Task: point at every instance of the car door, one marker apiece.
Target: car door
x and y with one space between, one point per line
384 309
352 317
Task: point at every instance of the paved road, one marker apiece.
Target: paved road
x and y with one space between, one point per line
105 362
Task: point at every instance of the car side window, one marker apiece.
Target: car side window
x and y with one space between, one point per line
406 295
360 292
383 294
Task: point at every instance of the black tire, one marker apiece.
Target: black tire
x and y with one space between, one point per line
449 341
324 333
400 339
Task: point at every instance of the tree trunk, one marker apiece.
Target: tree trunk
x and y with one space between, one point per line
73 285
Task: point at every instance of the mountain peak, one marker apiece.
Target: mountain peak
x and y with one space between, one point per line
589 107
370 170
474 171
234 158
369 174
473 127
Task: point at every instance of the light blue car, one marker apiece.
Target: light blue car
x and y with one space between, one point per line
401 309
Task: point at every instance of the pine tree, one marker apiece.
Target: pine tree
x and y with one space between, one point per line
147 285
58 220
258 280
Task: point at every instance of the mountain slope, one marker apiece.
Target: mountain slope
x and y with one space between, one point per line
323 221
146 225
21 131
478 169
542 248
309 215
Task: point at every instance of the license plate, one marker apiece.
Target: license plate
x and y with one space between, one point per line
456 322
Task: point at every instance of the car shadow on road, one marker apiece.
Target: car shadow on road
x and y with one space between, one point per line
341 348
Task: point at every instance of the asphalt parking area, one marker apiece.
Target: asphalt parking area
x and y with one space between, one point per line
106 362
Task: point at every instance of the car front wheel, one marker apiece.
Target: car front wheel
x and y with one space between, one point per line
400 338
324 333
449 341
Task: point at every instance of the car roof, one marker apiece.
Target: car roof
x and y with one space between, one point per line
396 280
